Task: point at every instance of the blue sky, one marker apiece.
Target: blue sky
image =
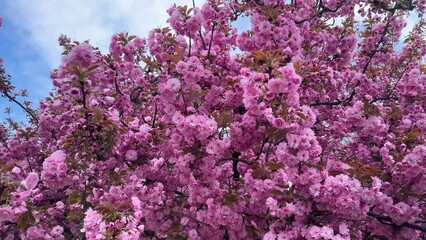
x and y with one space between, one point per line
29 70
28 37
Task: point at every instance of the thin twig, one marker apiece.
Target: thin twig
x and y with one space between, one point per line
267 152
211 40
188 216
137 90
27 110
190 45
202 39
265 140
333 103
155 115
117 88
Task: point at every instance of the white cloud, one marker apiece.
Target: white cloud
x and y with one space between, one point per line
96 20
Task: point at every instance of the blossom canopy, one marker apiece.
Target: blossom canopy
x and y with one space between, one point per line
314 128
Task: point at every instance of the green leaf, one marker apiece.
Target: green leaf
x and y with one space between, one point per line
301 115
371 110
252 232
74 198
98 116
75 214
92 67
275 166
259 172
26 220
278 192
7 167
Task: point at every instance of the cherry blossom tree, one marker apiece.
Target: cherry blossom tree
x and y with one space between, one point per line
310 125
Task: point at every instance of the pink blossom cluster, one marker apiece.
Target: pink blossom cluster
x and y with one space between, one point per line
54 174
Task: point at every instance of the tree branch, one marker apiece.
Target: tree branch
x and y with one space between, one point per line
388 220
202 40
27 110
155 115
211 40
333 103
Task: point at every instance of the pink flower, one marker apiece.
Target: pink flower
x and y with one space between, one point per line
131 155
62 168
400 213
75 91
343 229
80 55
271 203
265 27
139 42
293 98
278 123
92 224
269 96
54 170
276 85
193 235
31 181
315 232
6 214
130 48
269 236
136 204
57 231
173 84
214 147
194 23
